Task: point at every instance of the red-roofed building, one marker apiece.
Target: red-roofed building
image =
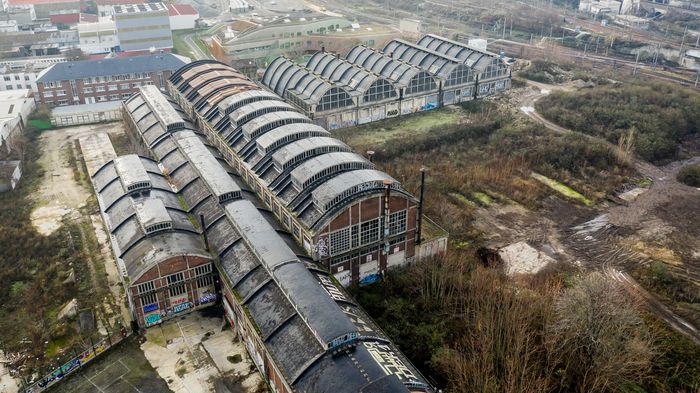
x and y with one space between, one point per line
182 16
72 18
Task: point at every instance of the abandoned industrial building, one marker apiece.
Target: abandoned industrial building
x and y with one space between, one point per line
369 85
302 331
353 219
158 249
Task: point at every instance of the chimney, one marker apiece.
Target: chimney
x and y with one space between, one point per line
419 221
323 49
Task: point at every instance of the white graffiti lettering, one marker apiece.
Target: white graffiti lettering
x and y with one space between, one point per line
389 361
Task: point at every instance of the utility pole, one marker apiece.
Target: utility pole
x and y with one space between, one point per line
680 52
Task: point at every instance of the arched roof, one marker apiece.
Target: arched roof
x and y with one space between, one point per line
285 76
298 321
341 72
435 63
147 223
397 71
257 141
472 57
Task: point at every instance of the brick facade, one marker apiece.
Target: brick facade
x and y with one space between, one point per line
116 87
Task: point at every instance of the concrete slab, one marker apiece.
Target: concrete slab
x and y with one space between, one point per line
97 150
190 354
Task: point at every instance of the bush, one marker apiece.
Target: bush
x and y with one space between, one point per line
663 115
690 175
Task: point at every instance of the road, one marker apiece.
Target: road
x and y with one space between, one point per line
594 240
196 51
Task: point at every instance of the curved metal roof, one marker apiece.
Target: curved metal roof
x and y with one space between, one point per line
298 150
341 72
148 224
472 57
257 141
397 71
327 195
317 168
433 62
284 75
298 321
258 108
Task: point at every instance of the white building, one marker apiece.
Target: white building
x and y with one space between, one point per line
8 26
143 27
599 7
98 37
17 74
411 26
182 16
15 107
239 6
10 173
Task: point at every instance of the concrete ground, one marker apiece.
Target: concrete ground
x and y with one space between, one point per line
7 383
97 149
59 193
194 353
123 369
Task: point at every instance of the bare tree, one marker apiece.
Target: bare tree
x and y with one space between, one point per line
598 341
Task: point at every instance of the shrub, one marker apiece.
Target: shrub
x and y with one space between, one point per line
690 175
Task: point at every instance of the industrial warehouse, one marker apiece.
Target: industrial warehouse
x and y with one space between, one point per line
369 85
353 219
301 330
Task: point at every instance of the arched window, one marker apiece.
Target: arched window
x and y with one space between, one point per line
333 99
420 83
460 75
379 90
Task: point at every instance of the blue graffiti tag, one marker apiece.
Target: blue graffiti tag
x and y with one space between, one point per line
181 307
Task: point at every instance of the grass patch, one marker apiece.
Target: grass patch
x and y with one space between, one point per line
561 188
155 336
484 199
462 199
405 127
40 124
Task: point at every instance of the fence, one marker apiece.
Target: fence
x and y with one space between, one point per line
77 362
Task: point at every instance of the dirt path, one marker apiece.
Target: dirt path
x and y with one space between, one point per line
596 241
59 193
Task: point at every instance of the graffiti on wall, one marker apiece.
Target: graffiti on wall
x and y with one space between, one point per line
181 307
322 247
150 307
75 363
207 298
152 319
428 106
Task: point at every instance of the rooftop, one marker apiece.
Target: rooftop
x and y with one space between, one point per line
181 9
138 8
119 65
35 2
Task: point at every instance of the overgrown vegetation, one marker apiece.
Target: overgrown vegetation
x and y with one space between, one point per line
545 72
690 175
481 151
653 117
470 328
40 274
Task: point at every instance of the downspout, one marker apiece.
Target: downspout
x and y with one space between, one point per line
385 214
419 223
